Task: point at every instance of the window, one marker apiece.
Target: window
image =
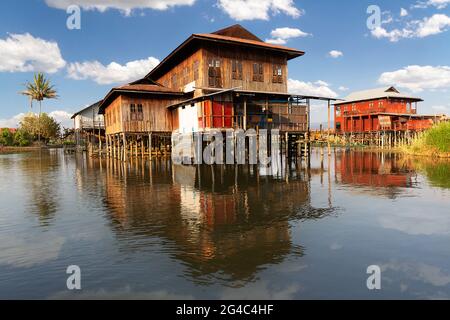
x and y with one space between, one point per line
338 111
132 112
196 69
140 112
236 69
277 74
258 72
353 106
214 73
136 112
338 126
186 75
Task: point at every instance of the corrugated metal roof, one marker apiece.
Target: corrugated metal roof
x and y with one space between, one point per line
386 92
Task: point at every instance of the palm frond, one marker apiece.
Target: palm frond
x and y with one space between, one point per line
40 88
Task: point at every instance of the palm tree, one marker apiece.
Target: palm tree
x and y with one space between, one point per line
39 90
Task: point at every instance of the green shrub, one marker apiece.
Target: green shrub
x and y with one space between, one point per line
6 137
439 137
433 141
22 138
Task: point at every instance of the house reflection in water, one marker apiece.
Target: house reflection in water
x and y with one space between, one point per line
221 222
384 173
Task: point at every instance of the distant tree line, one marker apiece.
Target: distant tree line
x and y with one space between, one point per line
31 129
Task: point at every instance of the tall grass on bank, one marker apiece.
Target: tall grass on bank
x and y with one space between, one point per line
435 141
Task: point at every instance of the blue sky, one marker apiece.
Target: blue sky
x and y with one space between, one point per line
119 41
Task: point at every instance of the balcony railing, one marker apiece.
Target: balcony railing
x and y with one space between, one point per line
371 111
92 125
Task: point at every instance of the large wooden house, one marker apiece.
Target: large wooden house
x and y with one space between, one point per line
383 109
221 80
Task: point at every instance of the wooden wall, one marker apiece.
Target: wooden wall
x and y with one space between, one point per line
182 77
184 70
113 117
248 57
154 118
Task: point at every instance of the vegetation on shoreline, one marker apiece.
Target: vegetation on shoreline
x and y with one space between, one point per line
31 129
433 142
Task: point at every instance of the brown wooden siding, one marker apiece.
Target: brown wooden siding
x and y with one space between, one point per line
184 72
182 77
248 57
113 117
155 116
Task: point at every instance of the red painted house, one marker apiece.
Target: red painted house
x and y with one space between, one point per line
383 109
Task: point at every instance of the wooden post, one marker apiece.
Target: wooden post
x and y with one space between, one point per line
114 146
150 145
116 154
136 146
329 118
287 144
245 114
124 139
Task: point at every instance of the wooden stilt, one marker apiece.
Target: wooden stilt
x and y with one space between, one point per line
124 147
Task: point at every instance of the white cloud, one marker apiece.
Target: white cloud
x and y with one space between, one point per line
418 78
419 271
62 117
386 17
261 290
319 88
113 72
321 83
439 4
403 12
393 36
125 6
435 24
428 26
342 88
258 9
25 53
282 35
29 250
335 53
12 122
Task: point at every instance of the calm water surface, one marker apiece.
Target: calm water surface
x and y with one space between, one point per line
158 231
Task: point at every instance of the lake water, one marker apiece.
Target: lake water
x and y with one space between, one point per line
157 231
